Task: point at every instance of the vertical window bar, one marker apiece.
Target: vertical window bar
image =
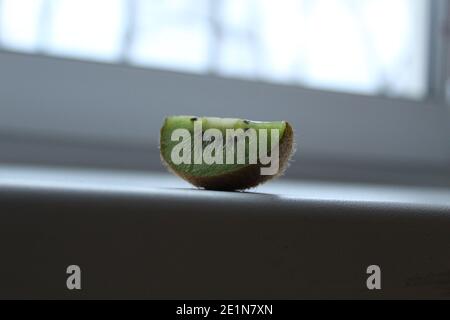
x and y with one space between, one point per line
130 30
438 66
446 51
1 38
216 29
252 37
44 25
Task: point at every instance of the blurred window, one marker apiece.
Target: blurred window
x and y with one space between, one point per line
377 47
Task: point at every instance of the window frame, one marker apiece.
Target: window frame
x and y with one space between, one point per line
61 102
439 59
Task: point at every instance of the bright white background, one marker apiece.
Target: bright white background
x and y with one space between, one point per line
361 46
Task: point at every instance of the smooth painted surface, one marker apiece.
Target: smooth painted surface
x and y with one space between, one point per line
150 236
151 183
82 101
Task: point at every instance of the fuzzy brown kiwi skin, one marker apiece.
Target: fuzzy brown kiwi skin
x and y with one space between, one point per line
244 178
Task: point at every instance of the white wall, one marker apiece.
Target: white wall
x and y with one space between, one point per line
79 101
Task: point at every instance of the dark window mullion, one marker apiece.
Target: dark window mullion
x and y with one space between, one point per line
438 49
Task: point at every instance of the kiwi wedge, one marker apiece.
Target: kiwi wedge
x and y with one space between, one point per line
223 174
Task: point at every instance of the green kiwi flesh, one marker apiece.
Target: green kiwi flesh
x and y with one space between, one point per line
226 177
